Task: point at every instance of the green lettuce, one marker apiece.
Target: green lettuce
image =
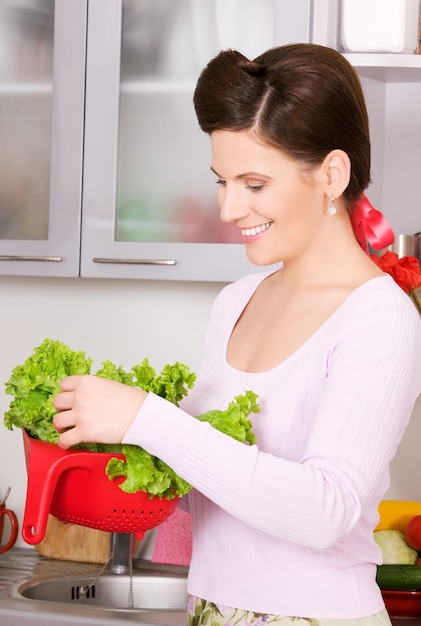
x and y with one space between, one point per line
234 420
35 383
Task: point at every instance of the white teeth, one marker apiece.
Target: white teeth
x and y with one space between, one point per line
249 232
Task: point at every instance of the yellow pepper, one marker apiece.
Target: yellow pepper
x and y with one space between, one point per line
395 514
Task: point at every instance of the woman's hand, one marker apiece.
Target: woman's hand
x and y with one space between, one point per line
94 409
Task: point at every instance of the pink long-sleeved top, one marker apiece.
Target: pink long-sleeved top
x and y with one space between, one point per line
286 526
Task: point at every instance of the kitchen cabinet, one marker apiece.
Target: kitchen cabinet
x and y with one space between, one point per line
115 182
149 199
42 44
124 171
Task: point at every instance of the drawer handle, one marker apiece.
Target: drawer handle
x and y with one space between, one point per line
135 261
20 257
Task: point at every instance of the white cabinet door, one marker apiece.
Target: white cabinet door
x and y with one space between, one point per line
42 78
149 199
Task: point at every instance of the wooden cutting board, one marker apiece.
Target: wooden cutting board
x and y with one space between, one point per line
69 542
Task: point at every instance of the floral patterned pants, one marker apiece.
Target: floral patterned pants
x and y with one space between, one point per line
203 613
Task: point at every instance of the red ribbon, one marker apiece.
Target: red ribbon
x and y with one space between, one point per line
371 226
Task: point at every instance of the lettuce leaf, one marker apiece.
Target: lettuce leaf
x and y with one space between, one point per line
35 383
234 420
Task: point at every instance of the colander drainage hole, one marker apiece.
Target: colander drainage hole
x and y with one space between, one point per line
83 592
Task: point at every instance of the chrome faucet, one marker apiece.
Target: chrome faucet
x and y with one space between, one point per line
127 554
121 553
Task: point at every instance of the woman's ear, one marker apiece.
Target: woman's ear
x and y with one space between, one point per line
337 172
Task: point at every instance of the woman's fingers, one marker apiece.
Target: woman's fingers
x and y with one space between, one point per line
68 438
94 409
63 420
71 382
63 401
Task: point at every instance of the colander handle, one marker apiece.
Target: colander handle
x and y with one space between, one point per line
42 482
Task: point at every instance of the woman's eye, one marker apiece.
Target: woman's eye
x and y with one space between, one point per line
255 187
220 181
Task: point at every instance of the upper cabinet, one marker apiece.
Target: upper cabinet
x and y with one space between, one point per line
104 171
42 82
149 198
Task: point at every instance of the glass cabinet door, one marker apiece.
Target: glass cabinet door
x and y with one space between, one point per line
42 70
149 200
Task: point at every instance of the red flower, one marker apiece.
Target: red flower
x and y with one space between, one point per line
405 271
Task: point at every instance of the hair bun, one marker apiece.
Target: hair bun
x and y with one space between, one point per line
252 68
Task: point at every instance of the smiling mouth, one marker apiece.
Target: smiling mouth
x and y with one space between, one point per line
256 230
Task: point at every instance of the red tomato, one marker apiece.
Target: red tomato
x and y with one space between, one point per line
413 533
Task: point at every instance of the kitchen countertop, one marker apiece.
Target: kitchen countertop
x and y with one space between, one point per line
20 565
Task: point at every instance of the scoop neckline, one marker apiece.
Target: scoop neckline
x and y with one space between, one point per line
328 321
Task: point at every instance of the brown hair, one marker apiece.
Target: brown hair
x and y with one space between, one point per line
303 99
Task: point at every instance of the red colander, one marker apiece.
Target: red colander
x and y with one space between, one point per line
72 485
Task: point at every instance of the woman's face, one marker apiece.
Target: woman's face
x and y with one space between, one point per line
276 205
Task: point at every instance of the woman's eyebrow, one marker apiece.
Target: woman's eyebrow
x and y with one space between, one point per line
240 176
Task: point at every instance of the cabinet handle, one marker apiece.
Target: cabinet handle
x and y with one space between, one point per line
20 257
135 261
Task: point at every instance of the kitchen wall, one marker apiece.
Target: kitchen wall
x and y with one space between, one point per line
125 321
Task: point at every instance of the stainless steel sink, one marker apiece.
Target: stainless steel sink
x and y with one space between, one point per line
142 592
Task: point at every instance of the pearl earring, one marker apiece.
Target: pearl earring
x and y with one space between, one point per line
332 209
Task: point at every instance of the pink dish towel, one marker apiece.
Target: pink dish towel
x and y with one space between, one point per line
173 543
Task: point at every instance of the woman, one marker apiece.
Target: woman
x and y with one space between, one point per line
284 530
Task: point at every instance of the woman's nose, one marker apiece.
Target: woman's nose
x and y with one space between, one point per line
232 206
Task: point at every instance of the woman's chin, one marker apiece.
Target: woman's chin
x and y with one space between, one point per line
261 260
